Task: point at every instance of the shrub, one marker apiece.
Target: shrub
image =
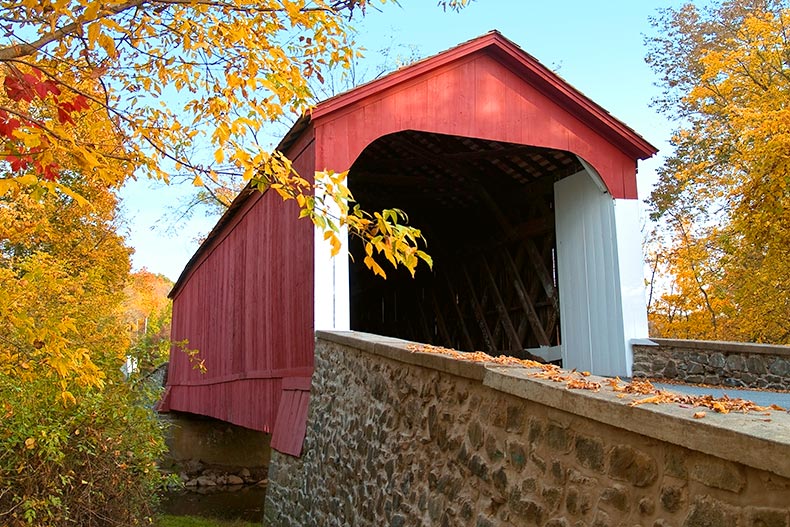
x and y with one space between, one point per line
91 463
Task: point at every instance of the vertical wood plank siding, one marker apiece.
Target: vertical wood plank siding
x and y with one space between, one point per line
248 308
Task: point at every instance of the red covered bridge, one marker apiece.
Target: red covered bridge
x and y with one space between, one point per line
525 189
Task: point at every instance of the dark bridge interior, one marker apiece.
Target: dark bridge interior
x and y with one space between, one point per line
487 211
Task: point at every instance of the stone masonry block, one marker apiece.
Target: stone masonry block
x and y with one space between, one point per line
559 437
734 363
517 454
475 434
767 517
590 453
717 473
529 511
628 464
716 361
646 506
499 479
494 448
672 498
708 512
756 364
552 497
781 368
535 432
515 418
617 496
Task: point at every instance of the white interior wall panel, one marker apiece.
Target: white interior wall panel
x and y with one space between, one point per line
591 307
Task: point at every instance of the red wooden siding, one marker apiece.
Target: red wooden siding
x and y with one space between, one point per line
292 416
247 305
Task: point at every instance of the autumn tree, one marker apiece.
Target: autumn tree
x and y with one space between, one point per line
170 74
215 194
147 312
94 92
725 191
78 443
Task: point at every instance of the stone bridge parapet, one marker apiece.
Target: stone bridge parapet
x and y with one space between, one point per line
733 364
399 438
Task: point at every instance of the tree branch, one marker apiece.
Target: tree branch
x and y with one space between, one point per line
16 51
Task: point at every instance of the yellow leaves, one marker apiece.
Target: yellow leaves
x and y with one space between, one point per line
108 43
30 443
221 134
68 399
728 67
334 241
94 30
8 184
91 10
573 380
246 63
371 263
56 294
86 159
78 198
383 233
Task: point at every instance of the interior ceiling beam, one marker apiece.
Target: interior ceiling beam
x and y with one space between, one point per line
422 156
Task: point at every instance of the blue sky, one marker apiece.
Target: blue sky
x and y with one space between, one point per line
598 47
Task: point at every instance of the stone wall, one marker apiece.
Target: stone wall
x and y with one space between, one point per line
718 363
397 438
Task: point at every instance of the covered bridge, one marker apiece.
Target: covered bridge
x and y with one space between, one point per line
525 189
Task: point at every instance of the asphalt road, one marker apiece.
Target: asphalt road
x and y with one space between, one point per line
758 397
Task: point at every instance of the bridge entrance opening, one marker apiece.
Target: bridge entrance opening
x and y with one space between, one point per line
486 209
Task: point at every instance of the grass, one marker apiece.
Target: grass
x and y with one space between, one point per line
195 521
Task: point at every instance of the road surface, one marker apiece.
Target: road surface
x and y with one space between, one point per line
762 398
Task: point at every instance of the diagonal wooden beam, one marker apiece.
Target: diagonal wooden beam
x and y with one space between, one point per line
461 322
479 314
542 272
526 302
504 316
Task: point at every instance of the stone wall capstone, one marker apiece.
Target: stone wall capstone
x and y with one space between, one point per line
735 364
397 438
